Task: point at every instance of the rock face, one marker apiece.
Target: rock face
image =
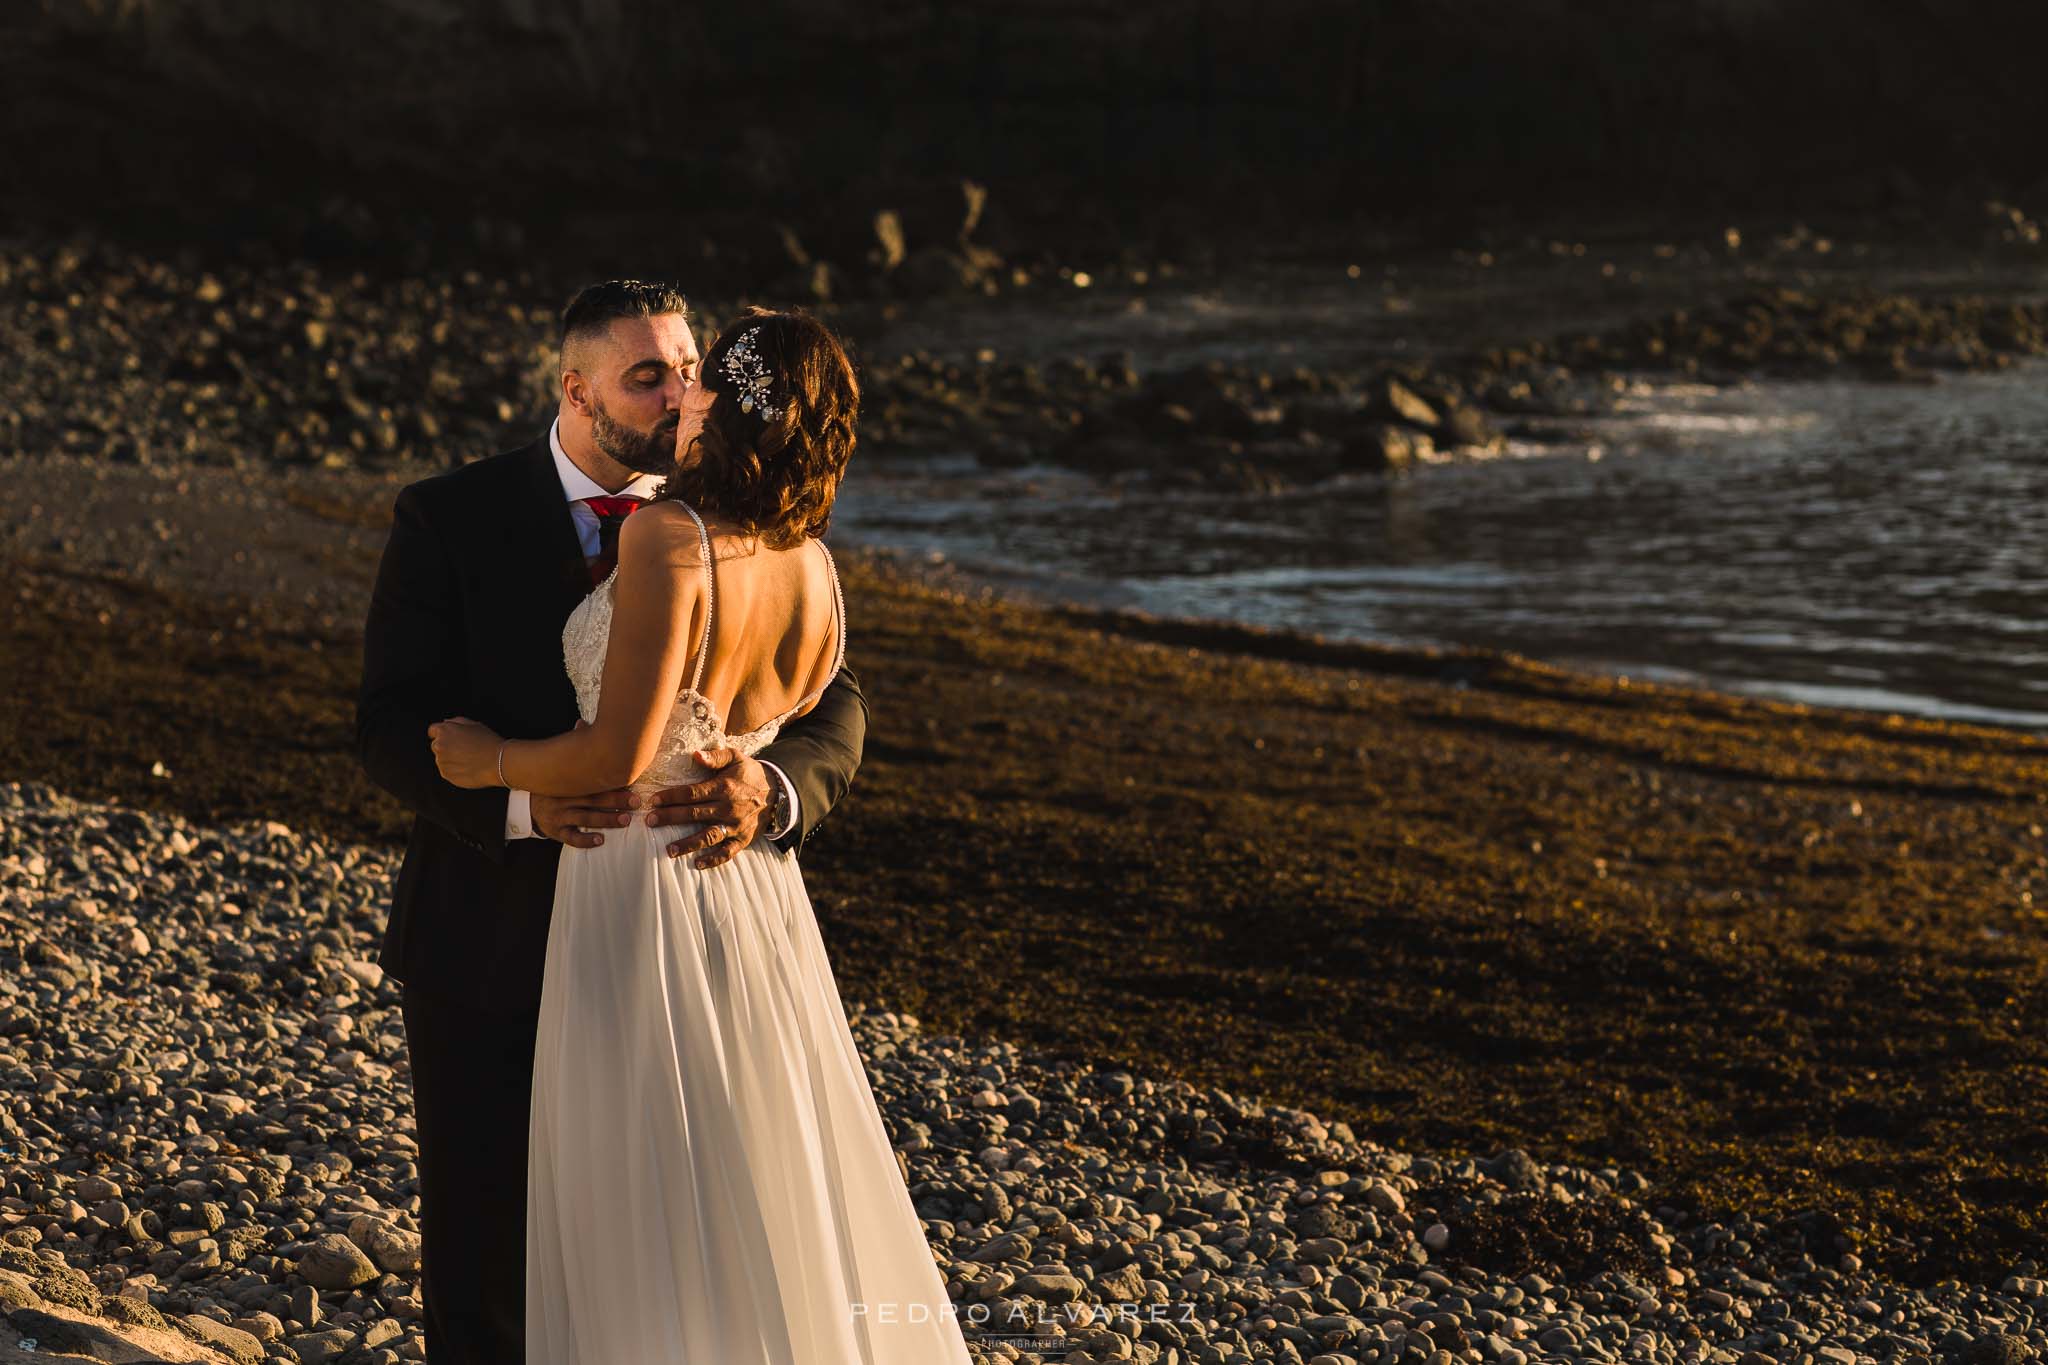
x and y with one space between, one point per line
36 1336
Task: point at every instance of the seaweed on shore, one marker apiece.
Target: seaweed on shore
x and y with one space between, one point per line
1778 959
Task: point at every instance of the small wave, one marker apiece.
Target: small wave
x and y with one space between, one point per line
1731 424
1884 699
1519 448
1337 579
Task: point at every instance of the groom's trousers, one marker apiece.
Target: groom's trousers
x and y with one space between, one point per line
472 1086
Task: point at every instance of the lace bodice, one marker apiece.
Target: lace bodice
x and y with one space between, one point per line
693 724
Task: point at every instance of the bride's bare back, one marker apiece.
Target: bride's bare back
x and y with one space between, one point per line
774 627
640 647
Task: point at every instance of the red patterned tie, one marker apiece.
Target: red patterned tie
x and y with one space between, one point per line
611 514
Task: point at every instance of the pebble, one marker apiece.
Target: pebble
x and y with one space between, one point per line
334 1262
392 1250
317 1348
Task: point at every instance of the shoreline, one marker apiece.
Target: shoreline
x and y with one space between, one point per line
1779 958
1453 664
300 379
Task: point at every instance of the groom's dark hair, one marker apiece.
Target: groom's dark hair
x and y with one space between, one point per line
598 306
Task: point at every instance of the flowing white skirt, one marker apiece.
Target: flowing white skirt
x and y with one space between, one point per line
709 1181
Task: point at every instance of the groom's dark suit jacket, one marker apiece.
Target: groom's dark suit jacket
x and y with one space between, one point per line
481 571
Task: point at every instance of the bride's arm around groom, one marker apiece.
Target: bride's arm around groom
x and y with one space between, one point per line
479 572
413 675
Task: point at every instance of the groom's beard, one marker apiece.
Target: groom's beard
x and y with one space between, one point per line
649 452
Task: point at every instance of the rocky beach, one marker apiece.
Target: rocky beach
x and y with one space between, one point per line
1363 518
1232 994
209 1134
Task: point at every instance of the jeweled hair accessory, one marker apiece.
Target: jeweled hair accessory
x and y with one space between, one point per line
744 369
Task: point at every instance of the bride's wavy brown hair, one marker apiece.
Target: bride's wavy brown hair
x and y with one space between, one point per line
775 479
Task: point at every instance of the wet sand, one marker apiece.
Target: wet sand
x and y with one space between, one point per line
1777 958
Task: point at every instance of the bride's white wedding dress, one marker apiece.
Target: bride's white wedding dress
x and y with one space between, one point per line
709 1181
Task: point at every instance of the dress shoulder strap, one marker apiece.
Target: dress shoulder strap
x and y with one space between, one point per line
710 596
838 648
838 615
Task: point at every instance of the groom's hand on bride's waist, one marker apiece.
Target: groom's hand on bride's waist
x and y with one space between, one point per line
578 821
731 803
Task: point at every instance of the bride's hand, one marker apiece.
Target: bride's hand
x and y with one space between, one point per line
466 751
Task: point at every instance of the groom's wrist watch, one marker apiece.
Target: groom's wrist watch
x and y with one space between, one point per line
777 819
775 823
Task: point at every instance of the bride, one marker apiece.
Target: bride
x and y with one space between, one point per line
709 1180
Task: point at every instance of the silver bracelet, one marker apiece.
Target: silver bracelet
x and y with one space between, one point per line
501 763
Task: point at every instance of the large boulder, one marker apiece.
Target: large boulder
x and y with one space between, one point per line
1389 400
1467 428
1384 446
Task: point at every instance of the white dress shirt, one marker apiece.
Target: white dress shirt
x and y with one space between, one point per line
576 486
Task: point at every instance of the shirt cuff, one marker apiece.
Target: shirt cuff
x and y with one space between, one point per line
518 815
789 790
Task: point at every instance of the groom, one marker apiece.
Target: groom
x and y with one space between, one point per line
483 566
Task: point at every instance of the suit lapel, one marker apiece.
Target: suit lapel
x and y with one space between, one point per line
548 542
